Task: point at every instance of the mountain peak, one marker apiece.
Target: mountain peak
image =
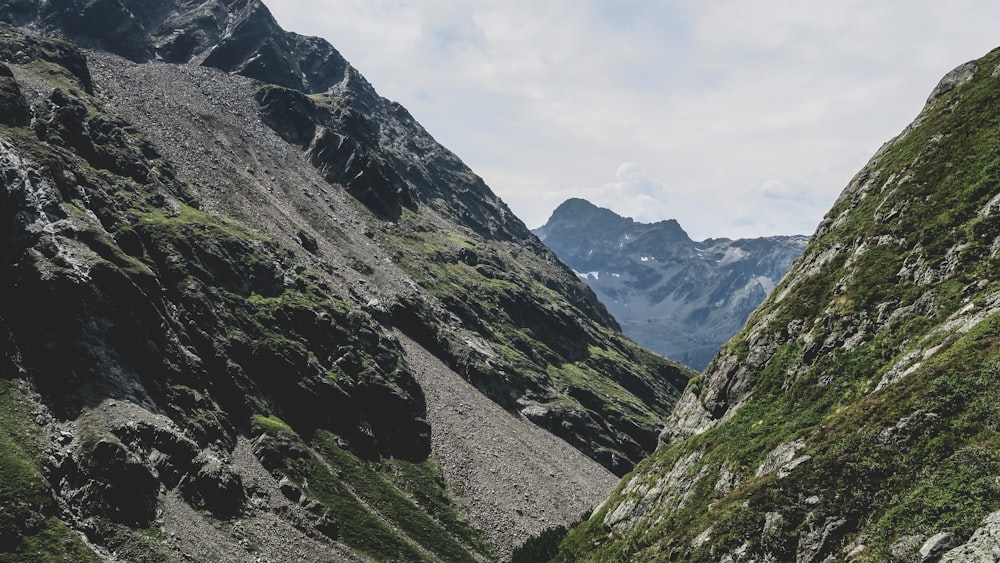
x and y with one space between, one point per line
676 297
584 219
239 36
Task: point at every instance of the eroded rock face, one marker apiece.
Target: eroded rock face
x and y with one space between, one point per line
153 306
222 289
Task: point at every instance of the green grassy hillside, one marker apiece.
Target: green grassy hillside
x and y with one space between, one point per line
857 416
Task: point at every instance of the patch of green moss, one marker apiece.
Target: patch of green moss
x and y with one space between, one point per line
389 510
271 424
28 529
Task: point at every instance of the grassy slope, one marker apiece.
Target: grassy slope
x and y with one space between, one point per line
878 481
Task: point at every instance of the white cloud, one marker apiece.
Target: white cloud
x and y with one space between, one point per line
724 104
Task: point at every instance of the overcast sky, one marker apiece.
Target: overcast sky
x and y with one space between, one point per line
735 117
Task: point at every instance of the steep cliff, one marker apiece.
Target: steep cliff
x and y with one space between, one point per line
856 416
239 309
677 297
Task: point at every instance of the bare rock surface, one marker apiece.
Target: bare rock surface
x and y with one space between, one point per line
509 477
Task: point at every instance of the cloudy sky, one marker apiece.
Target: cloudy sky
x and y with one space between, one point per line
735 117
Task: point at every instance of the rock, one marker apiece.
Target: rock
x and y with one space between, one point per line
327 525
14 110
782 455
214 486
290 490
773 521
983 546
960 75
815 543
290 113
116 484
786 469
936 545
307 241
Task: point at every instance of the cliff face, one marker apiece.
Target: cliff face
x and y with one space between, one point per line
855 417
238 308
675 296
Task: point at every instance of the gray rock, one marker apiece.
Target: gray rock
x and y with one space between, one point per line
814 544
958 76
982 547
936 545
780 456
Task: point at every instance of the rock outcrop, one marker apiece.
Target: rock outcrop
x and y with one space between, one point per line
208 265
677 297
856 413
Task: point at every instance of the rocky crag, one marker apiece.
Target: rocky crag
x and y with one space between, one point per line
856 417
677 297
241 291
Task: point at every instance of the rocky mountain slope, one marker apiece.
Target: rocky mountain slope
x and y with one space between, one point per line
675 296
245 299
857 416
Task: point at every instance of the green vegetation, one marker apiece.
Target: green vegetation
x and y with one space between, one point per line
392 511
908 247
28 530
561 351
544 545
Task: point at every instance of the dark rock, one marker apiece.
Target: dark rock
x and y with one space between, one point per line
307 241
215 487
87 23
327 525
18 12
119 486
20 49
14 110
290 490
343 159
289 112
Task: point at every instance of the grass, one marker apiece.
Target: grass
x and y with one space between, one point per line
917 457
393 510
29 531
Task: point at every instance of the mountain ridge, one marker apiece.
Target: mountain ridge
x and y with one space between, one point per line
675 296
234 275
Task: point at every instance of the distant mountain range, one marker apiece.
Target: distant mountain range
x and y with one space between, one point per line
675 296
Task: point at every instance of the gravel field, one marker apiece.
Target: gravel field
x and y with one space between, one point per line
509 477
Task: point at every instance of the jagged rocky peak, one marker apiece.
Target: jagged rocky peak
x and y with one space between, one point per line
855 417
233 35
384 157
576 216
675 296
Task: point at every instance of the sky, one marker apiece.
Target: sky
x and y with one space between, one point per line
738 118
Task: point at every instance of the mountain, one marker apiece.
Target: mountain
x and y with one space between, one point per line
856 417
675 296
253 310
